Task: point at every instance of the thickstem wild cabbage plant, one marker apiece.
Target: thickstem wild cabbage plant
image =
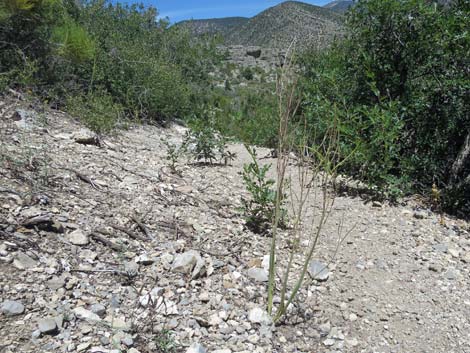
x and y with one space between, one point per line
317 166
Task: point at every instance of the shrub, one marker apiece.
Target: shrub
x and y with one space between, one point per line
131 63
150 69
173 155
73 42
247 74
399 83
415 55
260 208
39 32
203 141
98 111
250 115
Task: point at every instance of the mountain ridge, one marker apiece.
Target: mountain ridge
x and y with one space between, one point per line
275 27
339 6
220 25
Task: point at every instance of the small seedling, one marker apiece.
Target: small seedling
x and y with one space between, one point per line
173 154
165 342
228 157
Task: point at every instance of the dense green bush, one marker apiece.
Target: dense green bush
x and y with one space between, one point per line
74 43
97 110
416 53
250 114
130 63
247 73
34 34
63 48
401 86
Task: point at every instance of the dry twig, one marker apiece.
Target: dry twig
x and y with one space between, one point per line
100 238
128 232
141 225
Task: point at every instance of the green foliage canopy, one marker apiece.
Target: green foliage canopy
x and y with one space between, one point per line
64 49
400 83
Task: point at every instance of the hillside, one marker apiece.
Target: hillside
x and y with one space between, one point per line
222 26
340 6
279 25
275 27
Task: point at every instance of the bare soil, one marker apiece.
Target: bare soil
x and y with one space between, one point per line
113 220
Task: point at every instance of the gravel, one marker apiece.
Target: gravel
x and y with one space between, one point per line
196 279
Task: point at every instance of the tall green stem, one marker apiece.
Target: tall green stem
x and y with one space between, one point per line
300 281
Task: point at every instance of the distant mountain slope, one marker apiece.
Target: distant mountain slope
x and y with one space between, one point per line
222 26
275 27
340 6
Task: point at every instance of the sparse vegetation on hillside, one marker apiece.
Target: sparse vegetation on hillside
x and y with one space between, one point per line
214 26
279 25
275 27
340 6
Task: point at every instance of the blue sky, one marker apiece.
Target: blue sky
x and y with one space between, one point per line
178 10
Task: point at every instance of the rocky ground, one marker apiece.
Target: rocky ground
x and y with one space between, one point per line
263 63
103 249
267 59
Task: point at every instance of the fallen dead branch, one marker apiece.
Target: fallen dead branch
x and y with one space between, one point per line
37 220
175 226
85 179
236 251
142 226
156 179
113 271
9 191
43 222
101 239
18 240
81 176
128 232
89 140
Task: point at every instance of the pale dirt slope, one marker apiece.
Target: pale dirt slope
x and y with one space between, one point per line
400 283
